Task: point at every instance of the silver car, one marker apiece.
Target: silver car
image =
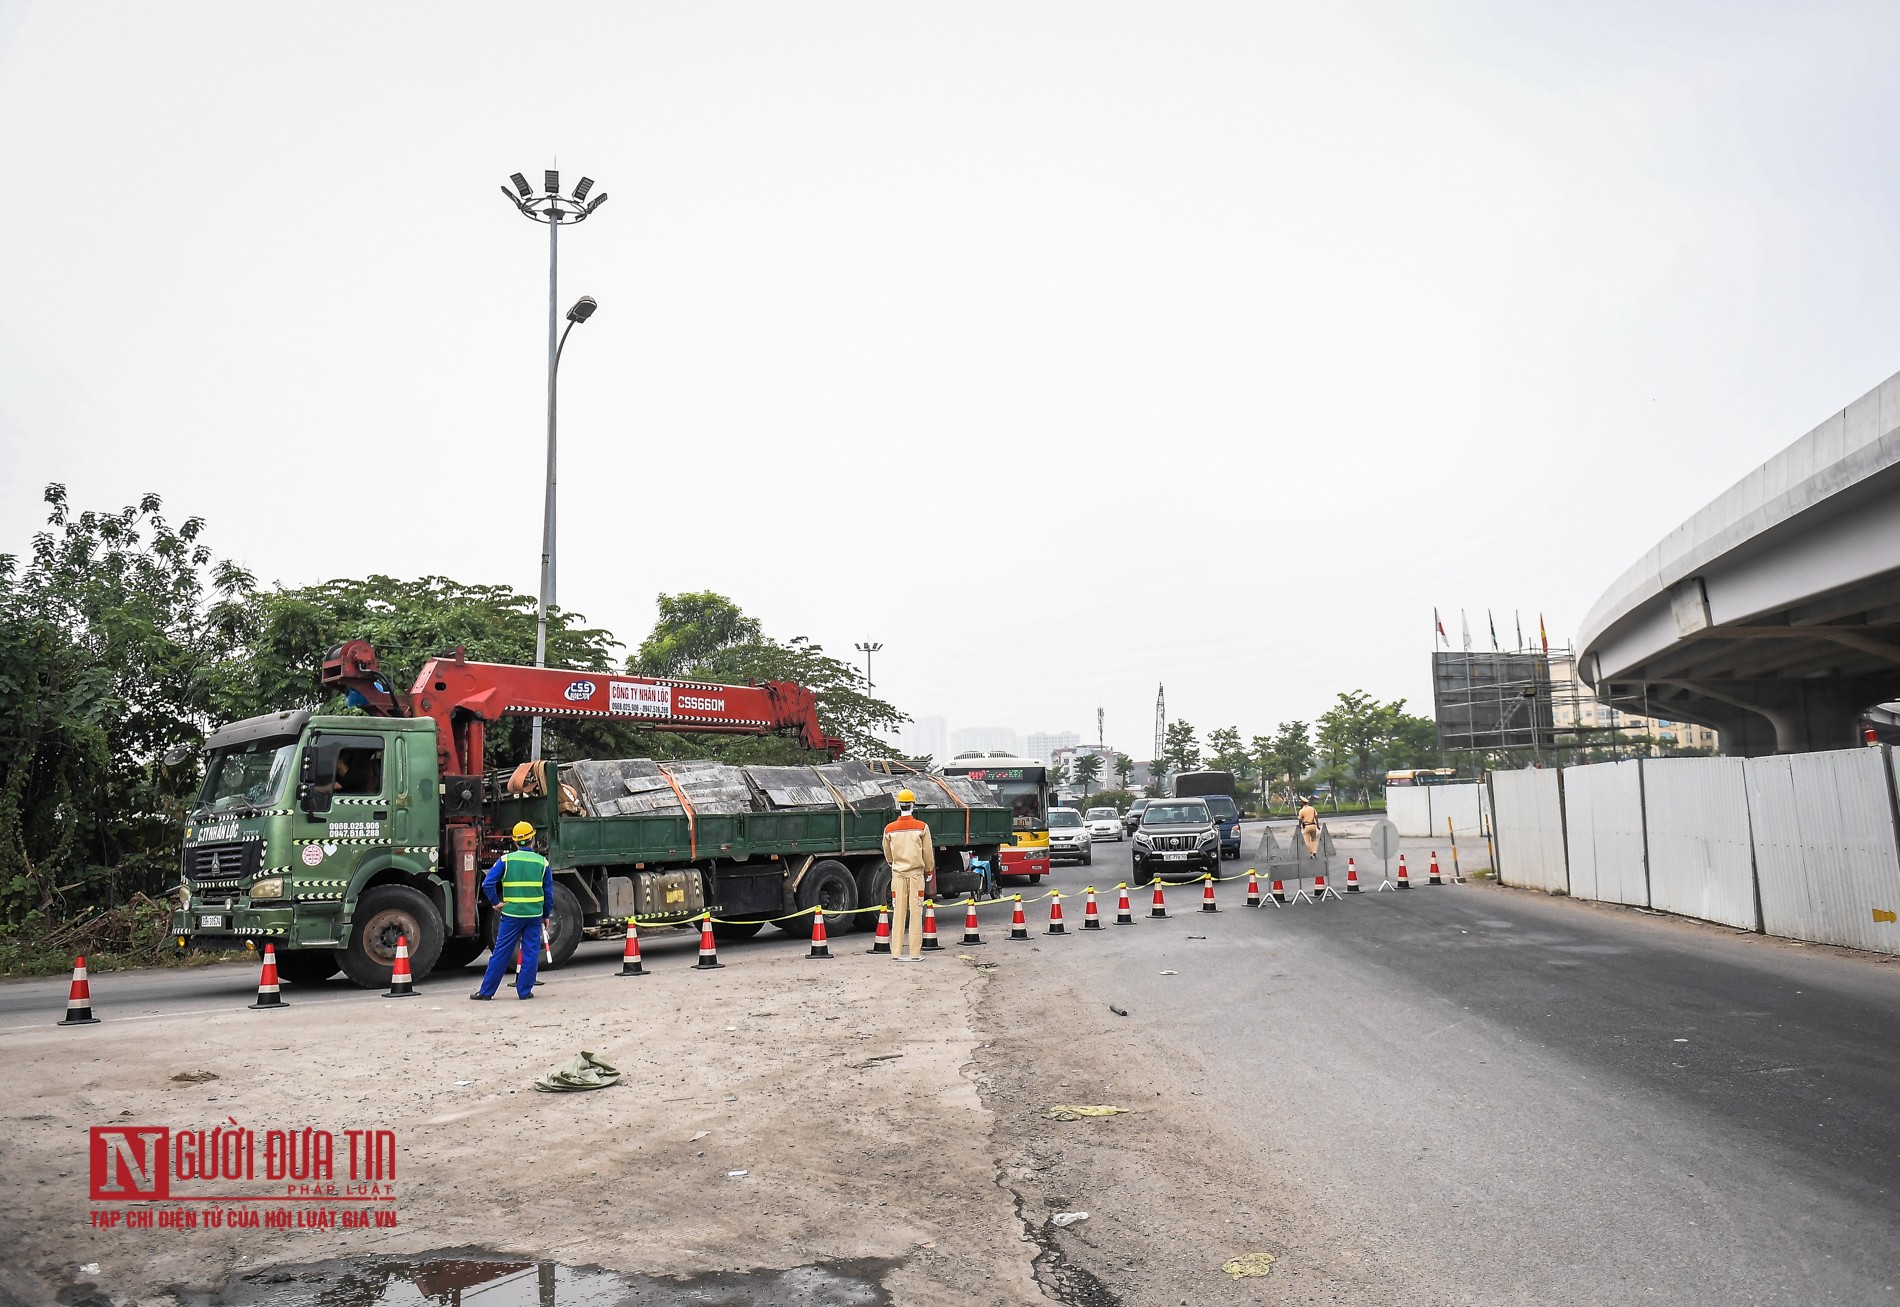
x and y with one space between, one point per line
1069 836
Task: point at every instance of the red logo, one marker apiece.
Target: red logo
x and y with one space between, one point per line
131 1163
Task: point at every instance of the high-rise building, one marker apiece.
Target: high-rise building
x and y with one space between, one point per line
1573 706
987 739
928 735
1043 746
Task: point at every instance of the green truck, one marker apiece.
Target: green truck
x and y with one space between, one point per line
331 836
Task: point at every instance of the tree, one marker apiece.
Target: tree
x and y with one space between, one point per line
1290 752
1058 775
1124 768
1229 753
1182 751
1353 733
692 629
1087 769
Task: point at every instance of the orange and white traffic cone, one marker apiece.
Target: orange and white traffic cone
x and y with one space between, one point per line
1124 913
1253 889
881 942
1159 908
1018 924
972 929
1352 876
1319 888
930 926
630 964
1055 915
267 995
1279 892
401 982
708 950
820 942
1432 877
1091 915
79 998
1405 877
1207 895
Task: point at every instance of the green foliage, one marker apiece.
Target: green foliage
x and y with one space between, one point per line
1229 754
692 629
1124 768
1116 799
1087 770
1182 752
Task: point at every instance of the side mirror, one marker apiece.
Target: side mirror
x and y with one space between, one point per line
312 799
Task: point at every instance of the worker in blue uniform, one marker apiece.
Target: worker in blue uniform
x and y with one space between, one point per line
522 887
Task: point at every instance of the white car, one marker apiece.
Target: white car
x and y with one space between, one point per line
1104 824
1069 836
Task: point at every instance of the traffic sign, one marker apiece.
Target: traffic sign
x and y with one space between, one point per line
1385 839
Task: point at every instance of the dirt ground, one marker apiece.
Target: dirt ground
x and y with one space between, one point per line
845 1091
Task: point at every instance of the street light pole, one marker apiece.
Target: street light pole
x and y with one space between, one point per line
867 649
552 208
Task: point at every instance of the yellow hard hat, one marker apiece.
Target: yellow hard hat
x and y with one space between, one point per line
905 796
523 832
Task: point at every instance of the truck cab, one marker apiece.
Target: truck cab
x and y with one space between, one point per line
319 834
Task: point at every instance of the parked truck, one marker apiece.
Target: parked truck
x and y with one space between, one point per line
331 836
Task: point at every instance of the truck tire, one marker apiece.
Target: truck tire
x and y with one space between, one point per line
382 915
307 966
828 884
874 890
734 931
458 953
564 925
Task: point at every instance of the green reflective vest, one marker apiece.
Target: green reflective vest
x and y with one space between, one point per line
522 874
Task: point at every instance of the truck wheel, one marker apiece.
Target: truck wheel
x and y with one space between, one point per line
458 953
829 884
307 966
564 925
874 890
382 916
733 931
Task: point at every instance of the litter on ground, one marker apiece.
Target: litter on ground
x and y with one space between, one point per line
1245 1268
583 1071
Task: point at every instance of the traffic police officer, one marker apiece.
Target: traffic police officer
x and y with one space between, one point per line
908 850
522 887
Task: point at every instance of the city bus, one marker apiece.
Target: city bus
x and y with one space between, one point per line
1022 786
1421 776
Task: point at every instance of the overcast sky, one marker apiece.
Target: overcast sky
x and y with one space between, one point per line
1066 349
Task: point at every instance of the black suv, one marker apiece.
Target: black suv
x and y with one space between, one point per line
1177 837
1132 818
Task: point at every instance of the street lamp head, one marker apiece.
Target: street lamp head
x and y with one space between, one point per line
583 309
549 205
598 201
586 185
552 178
521 184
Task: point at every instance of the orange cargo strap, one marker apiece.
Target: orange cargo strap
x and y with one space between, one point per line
692 818
945 787
842 803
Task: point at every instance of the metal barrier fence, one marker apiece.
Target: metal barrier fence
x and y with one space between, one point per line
1420 811
1805 846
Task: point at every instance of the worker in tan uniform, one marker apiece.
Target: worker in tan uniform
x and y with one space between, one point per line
1309 828
908 850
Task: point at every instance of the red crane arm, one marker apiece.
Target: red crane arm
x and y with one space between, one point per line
463 697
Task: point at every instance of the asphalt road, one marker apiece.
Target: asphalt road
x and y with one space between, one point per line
1458 1094
1488 1096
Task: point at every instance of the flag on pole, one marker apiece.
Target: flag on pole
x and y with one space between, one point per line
1493 623
1466 623
1543 635
1438 624
1519 619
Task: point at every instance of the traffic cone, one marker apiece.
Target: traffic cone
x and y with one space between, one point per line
1405 878
1207 895
972 929
401 983
1432 877
267 995
708 951
1124 914
630 960
1253 889
1319 888
1018 924
1055 915
930 925
1352 876
820 942
1091 915
1279 892
1160 906
881 942
79 998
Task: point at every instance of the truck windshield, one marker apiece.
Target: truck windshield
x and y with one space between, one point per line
251 773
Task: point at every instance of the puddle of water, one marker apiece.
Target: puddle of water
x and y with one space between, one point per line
468 1278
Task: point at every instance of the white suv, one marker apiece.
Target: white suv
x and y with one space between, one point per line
1069 836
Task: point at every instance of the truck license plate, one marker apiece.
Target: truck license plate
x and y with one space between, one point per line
214 921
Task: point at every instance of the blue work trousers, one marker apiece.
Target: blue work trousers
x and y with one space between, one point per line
510 933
